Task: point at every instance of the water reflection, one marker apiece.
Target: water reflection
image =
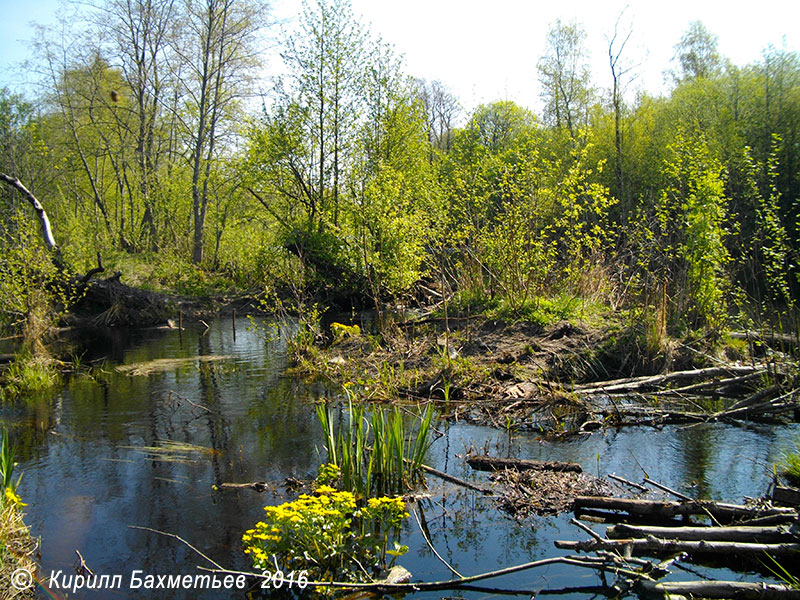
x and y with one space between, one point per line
89 476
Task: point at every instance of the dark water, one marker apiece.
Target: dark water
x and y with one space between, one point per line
91 482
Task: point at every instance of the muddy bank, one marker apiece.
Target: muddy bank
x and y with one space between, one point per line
566 377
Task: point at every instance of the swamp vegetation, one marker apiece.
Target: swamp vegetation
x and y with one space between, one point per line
612 261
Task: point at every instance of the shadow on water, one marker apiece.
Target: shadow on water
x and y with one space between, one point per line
94 462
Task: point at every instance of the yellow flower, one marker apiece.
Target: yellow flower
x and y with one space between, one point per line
13 498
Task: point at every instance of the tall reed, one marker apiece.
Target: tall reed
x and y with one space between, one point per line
377 456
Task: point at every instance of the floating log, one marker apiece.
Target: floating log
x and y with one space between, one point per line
669 510
652 544
490 463
259 486
742 533
738 590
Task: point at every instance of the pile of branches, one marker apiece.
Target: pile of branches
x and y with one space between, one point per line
763 391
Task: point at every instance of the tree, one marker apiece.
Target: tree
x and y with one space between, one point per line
619 70
696 53
565 77
218 54
143 31
441 110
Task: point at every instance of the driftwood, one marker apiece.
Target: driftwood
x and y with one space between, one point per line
741 533
664 509
490 463
259 486
737 590
652 544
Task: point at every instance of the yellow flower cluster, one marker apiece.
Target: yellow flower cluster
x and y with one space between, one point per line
341 330
13 498
395 503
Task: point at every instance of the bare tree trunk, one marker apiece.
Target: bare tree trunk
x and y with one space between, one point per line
47 231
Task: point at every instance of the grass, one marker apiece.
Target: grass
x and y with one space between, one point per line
27 374
789 464
17 547
381 455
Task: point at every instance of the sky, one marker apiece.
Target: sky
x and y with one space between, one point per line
487 50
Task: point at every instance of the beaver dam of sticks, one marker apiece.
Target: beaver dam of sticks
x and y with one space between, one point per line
570 380
652 532
567 378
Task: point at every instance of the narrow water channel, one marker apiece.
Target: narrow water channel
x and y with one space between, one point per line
112 457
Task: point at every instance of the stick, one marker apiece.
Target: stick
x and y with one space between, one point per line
626 482
179 538
664 488
82 568
434 585
430 545
453 479
658 545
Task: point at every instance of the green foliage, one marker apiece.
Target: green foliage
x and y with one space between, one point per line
789 463
8 486
328 535
684 245
383 456
27 374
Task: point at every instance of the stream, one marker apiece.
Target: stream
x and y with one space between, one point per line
113 456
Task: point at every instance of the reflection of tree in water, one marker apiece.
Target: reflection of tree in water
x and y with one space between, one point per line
470 532
697 446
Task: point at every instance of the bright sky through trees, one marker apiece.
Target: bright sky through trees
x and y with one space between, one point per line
485 51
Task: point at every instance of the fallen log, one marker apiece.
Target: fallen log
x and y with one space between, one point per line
666 509
788 339
652 544
738 590
786 496
749 534
637 383
490 463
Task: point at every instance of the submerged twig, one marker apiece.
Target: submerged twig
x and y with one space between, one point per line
433 549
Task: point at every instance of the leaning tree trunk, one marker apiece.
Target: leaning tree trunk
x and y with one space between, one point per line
47 231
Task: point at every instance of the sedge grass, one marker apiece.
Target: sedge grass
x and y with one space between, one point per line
376 456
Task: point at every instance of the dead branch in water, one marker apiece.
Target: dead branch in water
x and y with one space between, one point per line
665 509
736 590
491 463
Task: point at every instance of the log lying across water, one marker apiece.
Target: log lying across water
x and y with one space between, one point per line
652 544
668 510
490 463
741 533
738 590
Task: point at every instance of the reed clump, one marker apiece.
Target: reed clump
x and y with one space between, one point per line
380 454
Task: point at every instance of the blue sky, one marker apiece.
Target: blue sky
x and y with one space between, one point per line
487 50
